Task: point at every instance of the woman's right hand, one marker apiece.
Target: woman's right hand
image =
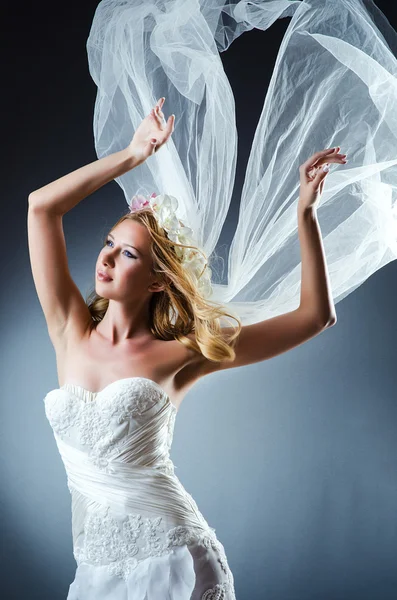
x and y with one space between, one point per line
153 127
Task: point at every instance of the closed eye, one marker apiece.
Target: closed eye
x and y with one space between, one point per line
131 255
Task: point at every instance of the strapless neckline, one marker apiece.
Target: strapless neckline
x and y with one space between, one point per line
117 381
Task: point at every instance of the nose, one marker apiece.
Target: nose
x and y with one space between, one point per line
107 261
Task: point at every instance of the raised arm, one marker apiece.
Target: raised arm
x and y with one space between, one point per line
62 195
62 303
316 312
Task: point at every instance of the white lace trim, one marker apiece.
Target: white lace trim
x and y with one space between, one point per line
121 544
221 591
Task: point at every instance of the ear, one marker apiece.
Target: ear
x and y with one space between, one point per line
156 286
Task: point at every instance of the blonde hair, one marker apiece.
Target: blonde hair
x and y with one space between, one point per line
180 299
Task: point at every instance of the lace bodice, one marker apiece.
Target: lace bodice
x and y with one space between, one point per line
106 424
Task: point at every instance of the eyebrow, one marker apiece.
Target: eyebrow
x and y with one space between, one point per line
139 252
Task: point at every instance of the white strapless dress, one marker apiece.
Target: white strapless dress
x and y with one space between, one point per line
137 533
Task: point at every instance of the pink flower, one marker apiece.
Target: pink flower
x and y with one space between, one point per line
139 201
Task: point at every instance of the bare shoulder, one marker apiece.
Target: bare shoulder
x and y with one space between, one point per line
82 355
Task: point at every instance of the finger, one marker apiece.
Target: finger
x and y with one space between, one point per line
158 106
160 114
338 159
312 171
170 125
159 117
317 156
168 131
332 158
308 173
321 175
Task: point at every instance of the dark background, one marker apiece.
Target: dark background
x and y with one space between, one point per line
321 517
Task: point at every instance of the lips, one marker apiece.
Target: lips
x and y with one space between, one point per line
103 277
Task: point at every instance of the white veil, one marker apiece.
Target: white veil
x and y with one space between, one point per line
334 84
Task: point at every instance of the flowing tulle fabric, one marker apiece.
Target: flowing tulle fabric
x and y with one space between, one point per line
334 84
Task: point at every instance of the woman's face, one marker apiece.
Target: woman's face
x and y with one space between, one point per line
126 258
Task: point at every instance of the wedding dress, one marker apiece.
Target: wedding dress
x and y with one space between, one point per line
137 533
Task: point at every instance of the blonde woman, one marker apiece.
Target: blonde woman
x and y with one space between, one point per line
126 359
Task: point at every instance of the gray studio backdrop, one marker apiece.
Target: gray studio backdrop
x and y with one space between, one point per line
292 460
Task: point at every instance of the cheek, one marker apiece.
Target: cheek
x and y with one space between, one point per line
133 271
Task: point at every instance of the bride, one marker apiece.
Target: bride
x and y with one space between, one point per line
125 330
156 322
123 353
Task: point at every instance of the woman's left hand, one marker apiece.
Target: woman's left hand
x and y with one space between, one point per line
312 176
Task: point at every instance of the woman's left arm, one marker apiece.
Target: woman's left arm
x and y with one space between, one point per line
316 312
316 294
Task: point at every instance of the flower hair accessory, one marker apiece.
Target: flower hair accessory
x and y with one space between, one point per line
164 209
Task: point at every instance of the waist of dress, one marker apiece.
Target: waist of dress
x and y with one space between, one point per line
129 488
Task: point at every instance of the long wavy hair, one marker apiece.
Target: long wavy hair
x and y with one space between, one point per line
179 309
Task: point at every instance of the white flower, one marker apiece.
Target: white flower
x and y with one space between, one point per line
164 208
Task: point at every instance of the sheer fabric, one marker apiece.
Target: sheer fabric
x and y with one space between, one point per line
334 84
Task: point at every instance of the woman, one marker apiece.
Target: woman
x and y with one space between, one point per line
124 366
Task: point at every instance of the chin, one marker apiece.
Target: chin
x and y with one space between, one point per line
100 291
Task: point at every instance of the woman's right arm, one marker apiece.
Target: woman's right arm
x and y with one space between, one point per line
61 195
64 307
